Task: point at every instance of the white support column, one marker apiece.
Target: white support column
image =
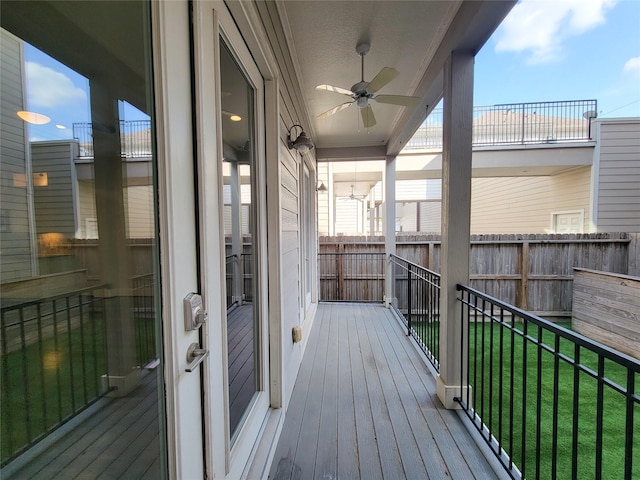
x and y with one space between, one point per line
115 252
389 225
236 232
456 213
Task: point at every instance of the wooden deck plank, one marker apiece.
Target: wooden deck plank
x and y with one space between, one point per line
450 436
374 368
99 438
241 366
414 398
102 443
391 385
347 442
284 466
369 459
326 461
305 457
390 423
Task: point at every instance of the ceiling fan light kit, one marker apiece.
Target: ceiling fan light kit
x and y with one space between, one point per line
363 91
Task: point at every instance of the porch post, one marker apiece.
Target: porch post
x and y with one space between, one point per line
456 212
109 168
237 279
389 225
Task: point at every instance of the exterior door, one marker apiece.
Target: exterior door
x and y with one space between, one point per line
231 199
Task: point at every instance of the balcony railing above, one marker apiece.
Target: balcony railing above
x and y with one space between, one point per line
135 139
516 124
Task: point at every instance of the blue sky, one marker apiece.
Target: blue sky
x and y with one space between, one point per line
62 95
545 50
548 50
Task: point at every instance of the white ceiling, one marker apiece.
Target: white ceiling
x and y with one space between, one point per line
414 37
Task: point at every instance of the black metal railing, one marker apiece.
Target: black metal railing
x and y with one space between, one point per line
143 290
351 277
247 276
550 403
135 138
230 272
53 357
516 124
416 299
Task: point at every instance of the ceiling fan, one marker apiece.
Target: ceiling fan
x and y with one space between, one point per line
353 196
363 91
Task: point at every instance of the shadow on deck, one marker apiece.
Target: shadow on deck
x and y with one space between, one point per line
364 406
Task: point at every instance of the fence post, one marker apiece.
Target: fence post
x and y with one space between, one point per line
340 272
524 276
409 299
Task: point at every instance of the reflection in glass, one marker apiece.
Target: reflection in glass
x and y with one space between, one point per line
238 213
80 322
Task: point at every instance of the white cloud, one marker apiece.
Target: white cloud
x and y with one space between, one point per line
48 88
540 27
632 66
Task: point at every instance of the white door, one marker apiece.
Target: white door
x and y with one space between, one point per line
181 251
210 109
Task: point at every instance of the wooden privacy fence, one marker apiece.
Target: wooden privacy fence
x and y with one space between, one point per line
531 271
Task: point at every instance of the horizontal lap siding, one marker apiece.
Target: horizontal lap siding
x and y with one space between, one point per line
288 164
525 204
618 186
54 203
16 258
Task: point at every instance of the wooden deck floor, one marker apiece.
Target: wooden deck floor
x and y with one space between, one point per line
364 406
116 438
242 378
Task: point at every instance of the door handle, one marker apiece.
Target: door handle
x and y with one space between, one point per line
195 356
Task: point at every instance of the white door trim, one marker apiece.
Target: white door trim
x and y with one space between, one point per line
177 233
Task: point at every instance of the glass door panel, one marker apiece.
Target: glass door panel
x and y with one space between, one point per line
81 333
238 133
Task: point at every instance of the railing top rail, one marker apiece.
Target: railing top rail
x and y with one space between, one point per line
394 258
29 303
551 102
596 347
350 253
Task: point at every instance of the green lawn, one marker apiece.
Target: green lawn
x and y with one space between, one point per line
48 383
522 411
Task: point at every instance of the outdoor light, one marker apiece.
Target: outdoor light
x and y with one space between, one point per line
302 143
322 187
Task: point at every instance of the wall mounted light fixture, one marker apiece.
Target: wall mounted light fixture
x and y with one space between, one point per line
302 143
322 187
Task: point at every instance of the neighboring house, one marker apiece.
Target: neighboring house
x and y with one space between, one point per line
228 88
574 184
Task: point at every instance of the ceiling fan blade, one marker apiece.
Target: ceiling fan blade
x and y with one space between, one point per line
383 77
331 88
404 100
368 118
328 113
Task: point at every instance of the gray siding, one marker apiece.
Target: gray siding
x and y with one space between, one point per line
288 163
618 176
54 203
17 255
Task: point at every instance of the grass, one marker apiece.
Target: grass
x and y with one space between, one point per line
50 381
527 392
